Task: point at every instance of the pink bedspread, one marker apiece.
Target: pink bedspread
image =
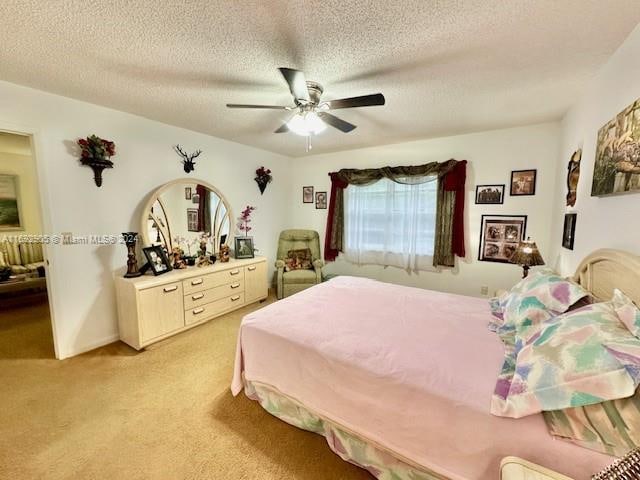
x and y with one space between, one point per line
412 370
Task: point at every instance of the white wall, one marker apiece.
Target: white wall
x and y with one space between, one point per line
602 222
24 167
81 277
491 155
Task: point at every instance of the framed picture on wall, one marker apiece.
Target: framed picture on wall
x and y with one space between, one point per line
490 194
10 205
195 198
569 230
307 194
523 182
187 193
500 236
321 200
192 219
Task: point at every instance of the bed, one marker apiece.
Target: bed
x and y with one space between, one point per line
399 379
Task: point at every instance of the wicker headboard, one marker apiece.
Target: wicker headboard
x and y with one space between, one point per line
606 269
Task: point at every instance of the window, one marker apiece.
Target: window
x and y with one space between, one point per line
389 223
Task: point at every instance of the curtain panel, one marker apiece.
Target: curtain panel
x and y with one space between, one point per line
449 235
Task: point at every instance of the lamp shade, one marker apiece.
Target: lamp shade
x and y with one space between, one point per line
527 254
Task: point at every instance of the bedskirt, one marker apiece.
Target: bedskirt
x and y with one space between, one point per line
382 464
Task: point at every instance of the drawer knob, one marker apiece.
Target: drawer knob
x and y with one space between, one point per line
197 297
237 297
234 272
170 289
196 282
198 311
234 285
251 269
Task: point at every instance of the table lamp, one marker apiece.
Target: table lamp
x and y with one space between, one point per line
527 255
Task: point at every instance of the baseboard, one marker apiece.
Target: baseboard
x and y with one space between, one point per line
91 346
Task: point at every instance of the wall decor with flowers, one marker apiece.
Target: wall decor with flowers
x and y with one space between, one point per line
96 153
263 178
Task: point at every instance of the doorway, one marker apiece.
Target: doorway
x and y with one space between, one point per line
25 319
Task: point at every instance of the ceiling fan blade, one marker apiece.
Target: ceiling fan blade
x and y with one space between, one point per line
297 83
336 122
272 107
363 101
283 128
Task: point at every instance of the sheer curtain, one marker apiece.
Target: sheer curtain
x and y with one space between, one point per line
389 223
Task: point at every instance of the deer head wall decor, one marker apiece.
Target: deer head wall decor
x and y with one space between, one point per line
187 160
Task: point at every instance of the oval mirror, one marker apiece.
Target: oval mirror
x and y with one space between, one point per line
179 212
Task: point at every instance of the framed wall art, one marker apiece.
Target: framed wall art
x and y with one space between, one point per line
490 194
307 194
192 219
617 164
569 230
523 182
500 236
573 175
10 205
321 200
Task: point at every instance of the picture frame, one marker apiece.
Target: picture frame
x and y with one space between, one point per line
192 220
490 194
157 259
500 236
307 194
11 218
187 193
523 182
195 198
321 200
569 230
244 247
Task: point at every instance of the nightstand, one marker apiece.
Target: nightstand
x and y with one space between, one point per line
514 468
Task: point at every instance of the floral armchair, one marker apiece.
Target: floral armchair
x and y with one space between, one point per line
290 282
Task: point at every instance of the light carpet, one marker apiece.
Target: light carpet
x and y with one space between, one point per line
164 413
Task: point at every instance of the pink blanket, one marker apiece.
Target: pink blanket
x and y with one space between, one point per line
409 369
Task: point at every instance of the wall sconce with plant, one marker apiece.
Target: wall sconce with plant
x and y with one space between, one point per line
263 177
96 153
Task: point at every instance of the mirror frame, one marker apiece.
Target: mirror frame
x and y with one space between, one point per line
155 195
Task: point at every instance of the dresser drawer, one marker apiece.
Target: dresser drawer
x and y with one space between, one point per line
196 299
212 280
210 310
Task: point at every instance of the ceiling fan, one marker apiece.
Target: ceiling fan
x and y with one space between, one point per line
311 116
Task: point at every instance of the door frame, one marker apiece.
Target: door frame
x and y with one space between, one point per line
45 214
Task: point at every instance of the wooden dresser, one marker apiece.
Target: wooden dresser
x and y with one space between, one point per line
153 308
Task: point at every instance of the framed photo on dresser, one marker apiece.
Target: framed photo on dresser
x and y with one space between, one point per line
500 236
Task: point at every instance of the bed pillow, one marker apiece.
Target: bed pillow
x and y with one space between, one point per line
536 300
582 357
298 260
627 311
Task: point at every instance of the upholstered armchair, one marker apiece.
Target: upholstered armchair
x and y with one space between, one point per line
288 283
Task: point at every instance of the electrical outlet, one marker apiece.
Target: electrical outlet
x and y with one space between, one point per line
484 290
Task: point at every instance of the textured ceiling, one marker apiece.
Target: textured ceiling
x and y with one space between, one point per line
445 66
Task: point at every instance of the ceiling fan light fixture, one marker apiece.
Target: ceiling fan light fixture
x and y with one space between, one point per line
305 124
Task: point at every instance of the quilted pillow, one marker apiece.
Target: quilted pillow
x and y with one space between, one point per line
538 299
627 312
298 260
582 357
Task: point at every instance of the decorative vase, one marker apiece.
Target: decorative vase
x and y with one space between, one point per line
130 239
262 183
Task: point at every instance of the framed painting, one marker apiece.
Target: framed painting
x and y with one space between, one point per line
307 194
617 165
569 230
192 219
321 200
10 204
500 236
490 194
523 182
